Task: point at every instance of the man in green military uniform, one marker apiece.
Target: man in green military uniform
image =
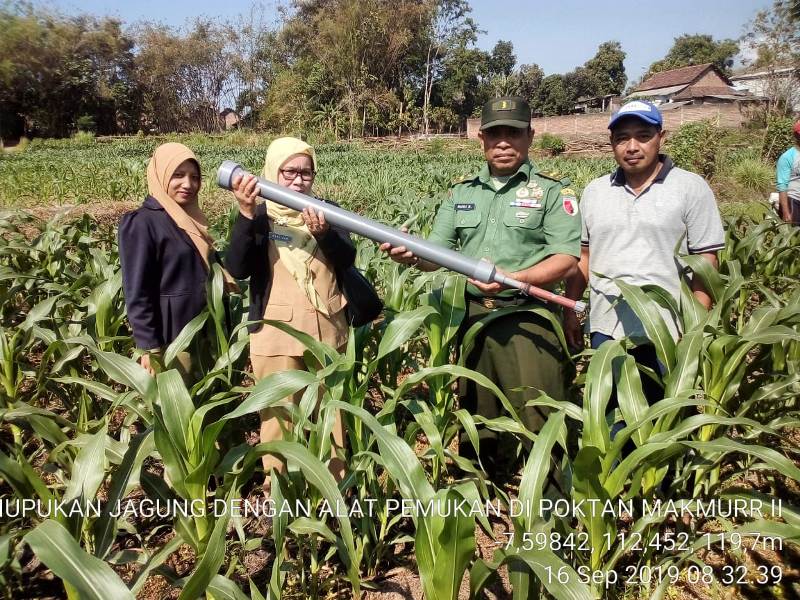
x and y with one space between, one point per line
526 223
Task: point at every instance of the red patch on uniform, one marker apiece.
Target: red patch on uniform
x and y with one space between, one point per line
570 206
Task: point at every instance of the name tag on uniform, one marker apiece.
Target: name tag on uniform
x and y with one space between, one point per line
519 203
465 207
523 214
279 237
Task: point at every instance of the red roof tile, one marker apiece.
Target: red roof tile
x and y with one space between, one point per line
682 76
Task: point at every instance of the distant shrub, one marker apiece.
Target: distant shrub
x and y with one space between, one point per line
551 143
694 146
777 138
244 138
435 146
319 137
753 175
86 123
83 138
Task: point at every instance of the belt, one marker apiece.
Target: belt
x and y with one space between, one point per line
491 302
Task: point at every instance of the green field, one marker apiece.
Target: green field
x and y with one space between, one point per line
361 176
80 421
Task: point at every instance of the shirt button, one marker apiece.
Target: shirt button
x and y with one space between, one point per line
462 222
486 249
492 220
522 220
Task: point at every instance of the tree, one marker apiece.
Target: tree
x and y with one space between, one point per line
444 119
552 97
580 83
258 53
600 75
697 49
55 69
185 79
363 47
502 59
530 78
291 102
501 81
460 86
607 69
449 27
774 38
774 35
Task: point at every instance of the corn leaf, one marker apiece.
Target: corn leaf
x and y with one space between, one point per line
90 576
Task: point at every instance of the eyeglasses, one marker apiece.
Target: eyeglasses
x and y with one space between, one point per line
291 174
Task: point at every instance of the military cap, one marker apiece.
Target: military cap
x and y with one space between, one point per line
512 111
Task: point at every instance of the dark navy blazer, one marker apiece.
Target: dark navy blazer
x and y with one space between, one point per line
247 257
163 276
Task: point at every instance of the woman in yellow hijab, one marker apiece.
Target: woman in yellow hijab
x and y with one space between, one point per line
291 258
165 250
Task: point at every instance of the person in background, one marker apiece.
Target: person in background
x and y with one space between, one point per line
291 259
788 180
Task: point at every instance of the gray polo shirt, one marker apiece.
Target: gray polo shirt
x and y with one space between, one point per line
634 238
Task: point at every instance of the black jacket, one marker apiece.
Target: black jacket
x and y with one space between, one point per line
247 257
163 275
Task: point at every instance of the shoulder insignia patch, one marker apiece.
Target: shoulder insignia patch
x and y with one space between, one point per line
462 179
554 175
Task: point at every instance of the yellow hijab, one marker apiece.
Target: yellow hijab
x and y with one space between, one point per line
296 256
165 160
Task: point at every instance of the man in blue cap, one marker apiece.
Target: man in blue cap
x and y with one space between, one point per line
632 221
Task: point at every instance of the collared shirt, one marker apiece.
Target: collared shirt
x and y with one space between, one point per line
634 238
528 219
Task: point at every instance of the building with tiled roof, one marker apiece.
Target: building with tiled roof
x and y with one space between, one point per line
778 82
695 84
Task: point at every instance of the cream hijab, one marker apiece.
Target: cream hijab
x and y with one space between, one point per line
165 160
289 222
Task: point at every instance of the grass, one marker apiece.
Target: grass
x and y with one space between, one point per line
754 176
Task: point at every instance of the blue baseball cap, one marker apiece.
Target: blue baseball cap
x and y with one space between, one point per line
641 109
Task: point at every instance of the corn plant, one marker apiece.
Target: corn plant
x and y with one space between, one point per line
80 419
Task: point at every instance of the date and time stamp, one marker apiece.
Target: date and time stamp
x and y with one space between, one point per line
670 543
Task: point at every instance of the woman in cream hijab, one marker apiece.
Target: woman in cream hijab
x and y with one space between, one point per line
291 258
165 250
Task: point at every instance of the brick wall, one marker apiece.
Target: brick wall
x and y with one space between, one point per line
572 126
710 79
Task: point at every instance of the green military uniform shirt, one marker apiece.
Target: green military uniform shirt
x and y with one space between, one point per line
530 218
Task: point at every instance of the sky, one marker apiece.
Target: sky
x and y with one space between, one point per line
558 35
